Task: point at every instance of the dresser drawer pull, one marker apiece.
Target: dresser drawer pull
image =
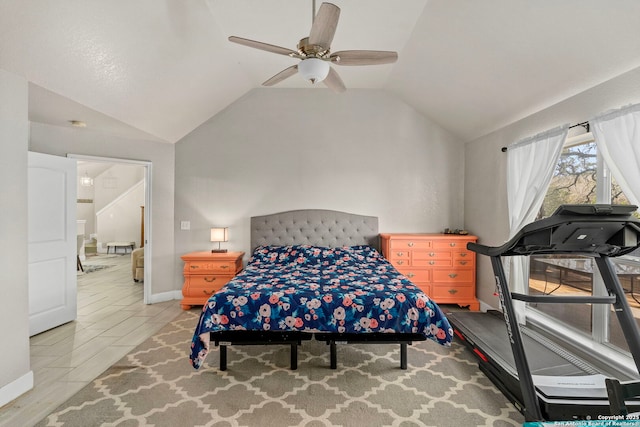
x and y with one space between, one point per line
432 254
410 244
432 262
224 266
410 274
463 254
400 254
400 262
463 262
453 275
194 266
453 291
206 279
452 244
206 292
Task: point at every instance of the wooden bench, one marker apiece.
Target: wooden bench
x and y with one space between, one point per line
123 245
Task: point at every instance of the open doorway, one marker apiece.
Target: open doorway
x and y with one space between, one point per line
113 213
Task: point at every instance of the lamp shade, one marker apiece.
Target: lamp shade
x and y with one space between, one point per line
313 69
219 234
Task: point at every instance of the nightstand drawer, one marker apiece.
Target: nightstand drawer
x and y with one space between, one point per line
204 267
207 285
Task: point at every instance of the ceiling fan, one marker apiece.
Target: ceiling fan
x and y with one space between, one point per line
315 52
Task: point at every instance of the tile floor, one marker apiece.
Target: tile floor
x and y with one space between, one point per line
112 320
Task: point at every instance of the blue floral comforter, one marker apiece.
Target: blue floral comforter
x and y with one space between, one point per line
317 289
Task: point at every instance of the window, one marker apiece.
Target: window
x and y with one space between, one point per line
581 177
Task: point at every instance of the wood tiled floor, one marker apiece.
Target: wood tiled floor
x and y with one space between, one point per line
112 320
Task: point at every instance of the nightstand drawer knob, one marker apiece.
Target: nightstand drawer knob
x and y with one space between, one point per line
224 266
194 267
463 262
400 262
463 254
207 279
206 292
432 262
410 275
453 275
432 254
453 291
452 244
410 244
400 254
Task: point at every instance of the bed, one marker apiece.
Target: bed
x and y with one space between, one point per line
317 274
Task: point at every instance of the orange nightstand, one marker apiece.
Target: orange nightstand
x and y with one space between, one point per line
205 273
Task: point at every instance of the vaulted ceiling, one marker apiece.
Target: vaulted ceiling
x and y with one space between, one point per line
158 69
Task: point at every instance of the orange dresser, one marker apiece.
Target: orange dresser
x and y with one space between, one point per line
205 273
439 264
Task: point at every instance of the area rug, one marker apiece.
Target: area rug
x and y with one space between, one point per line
156 385
92 268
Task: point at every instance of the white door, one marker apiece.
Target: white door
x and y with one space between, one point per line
52 241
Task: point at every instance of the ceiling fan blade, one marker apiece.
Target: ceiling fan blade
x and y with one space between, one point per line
364 57
264 46
324 25
334 82
286 73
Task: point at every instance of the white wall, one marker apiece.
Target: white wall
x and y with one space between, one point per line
362 152
15 374
485 201
119 221
62 140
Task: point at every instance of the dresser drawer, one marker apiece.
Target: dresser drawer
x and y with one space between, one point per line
400 263
399 254
438 262
463 255
448 245
416 275
464 263
411 244
205 267
427 255
458 275
452 292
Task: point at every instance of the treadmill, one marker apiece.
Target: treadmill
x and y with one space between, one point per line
553 384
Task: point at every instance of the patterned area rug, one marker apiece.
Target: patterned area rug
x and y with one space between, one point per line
91 268
156 385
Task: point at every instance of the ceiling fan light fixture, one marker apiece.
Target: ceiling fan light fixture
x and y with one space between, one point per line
313 69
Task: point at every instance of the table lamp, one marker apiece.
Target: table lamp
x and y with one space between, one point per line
219 234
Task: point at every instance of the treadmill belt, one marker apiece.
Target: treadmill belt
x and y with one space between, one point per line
567 388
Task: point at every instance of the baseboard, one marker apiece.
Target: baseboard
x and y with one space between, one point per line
484 307
165 296
16 388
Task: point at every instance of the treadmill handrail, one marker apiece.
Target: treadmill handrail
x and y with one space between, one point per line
564 299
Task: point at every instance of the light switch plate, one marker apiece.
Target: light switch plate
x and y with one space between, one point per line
185 225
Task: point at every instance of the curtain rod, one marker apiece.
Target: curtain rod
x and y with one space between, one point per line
583 124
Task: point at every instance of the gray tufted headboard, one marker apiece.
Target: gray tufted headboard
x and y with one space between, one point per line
316 227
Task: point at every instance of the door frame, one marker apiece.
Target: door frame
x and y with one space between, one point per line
148 229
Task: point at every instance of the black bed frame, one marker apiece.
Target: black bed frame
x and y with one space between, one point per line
293 339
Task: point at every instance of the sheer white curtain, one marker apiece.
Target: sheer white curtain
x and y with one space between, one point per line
530 166
617 134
